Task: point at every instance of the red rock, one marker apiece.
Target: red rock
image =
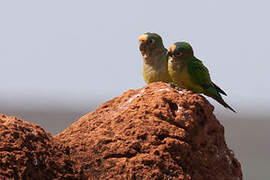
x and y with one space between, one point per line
28 152
154 132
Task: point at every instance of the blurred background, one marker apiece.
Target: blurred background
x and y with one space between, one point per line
61 59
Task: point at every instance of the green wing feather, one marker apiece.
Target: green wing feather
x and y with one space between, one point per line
199 73
200 76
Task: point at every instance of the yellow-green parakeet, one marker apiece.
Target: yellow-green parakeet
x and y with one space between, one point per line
155 58
188 72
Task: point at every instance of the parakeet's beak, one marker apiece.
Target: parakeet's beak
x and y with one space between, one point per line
142 46
142 41
169 53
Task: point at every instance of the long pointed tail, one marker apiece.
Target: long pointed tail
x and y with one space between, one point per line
219 99
219 89
226 105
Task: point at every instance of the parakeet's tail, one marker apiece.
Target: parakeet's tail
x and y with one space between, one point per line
219 89
219 99
226 105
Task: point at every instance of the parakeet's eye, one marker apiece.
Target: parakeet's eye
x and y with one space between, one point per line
151 41
178 54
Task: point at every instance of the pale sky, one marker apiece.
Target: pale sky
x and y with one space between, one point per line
73 52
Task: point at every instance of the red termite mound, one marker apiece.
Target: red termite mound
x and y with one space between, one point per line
155 132
28 152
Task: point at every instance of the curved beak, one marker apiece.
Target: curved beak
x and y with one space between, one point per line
142 46
142 41
169 53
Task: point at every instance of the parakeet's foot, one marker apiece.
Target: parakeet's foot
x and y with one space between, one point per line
174 86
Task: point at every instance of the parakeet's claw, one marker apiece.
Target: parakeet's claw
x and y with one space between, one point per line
171 84
178 88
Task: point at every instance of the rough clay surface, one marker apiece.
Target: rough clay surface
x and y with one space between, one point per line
28 152
154 132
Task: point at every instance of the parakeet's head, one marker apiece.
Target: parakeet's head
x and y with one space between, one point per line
150 44
181 51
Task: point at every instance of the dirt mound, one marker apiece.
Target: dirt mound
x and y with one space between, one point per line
154 132
28 152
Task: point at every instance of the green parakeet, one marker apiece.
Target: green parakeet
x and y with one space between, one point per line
188 72
155 58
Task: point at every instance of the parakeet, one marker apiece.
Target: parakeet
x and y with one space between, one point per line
188 72
155 58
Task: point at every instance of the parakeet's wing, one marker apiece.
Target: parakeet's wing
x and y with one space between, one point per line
199 73
200 76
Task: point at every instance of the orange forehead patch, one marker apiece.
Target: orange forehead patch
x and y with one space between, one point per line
172 48
143 37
